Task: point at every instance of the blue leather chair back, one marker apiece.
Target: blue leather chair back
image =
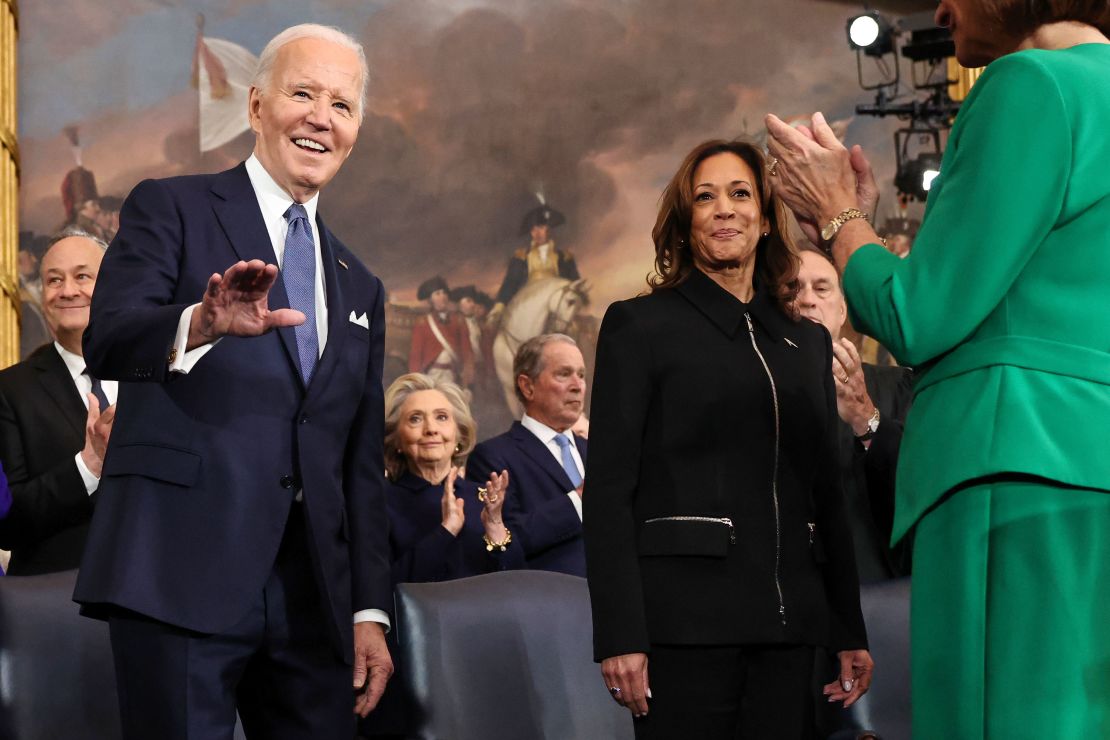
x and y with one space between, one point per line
504 655
56 674
885 709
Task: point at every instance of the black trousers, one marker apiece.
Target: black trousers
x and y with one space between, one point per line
729 693
276 666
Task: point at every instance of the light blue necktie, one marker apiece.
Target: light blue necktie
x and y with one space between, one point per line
298 271
568 460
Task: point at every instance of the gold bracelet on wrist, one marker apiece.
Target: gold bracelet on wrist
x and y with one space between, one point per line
490 544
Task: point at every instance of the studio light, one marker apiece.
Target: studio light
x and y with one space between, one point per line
871 33
927 178
915 176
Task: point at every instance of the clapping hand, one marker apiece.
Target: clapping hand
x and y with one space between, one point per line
493 496
452 508
853 403
98 428
816 176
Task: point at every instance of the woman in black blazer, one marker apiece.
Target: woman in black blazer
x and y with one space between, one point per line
718 552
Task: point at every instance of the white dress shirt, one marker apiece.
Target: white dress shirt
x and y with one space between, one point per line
547 435
76 366
273 202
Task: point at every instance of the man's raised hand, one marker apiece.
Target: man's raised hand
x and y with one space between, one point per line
237 304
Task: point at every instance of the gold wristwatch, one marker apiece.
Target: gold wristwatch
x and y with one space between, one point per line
833 227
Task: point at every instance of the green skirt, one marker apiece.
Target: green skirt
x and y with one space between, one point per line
1010 614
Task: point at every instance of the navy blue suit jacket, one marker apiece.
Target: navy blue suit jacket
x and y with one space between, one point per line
423 550
202 469
537 509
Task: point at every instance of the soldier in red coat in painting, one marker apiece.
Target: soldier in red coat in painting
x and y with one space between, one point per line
441 340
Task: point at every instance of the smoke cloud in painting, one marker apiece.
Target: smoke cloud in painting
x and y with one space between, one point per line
473 107
472 113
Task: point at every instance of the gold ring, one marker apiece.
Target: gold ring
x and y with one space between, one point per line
482 494
772 168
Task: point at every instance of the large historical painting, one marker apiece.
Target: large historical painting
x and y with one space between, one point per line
508 170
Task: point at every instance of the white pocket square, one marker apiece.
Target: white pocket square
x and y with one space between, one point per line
360 320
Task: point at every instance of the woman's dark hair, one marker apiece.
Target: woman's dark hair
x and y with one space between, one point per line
1021 17
776 256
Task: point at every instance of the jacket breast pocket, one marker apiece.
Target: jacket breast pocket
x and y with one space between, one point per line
707 537
356 331
168 464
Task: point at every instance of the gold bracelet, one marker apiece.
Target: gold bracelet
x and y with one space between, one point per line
490 544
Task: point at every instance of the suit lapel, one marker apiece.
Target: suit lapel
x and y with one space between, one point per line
336 286
54 377
236 208
532 447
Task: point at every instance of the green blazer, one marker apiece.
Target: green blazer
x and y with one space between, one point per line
1003 306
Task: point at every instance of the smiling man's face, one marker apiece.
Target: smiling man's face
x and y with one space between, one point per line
69 270
306 120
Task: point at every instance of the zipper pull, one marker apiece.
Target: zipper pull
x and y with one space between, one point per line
731 533
812 530
782 614
751 328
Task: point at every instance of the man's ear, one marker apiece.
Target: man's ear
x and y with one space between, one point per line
526 386
254 103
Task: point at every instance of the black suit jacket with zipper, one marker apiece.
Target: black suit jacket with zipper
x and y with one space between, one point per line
713 508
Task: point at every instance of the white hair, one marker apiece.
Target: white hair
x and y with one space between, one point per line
73 230
310 31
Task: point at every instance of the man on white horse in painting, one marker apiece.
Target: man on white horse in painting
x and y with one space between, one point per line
540 259
544 306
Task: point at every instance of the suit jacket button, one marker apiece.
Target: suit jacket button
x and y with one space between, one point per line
304 419
287 481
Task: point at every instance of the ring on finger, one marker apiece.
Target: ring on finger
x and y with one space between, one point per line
772 169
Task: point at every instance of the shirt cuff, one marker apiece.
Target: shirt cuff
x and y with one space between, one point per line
577 501
373 615
184 361
91 481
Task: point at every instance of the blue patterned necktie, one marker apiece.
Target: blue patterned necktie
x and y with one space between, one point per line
97 389
568 460
298 271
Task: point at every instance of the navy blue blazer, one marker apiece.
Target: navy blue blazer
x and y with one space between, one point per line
202 469
537 509
423 550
